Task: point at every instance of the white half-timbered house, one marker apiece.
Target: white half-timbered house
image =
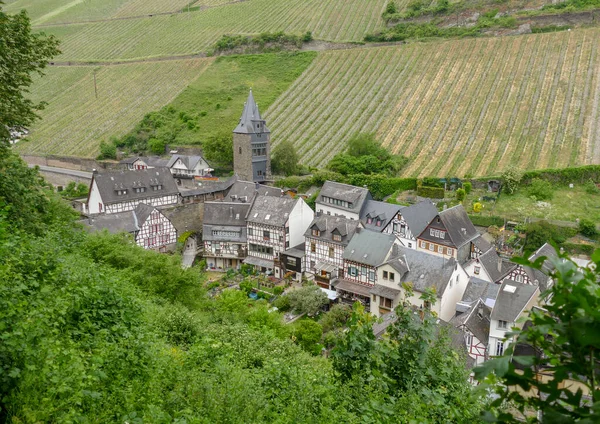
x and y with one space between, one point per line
337 199
274 225
450 234
528 275
364 254
189 166
150 228
475 325
412 220
121 191
380 216
139 163
224 234
489 266
326 238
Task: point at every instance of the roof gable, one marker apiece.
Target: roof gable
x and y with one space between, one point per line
251 121
458 225
110 184
418 216
512 299
329 225
369 247
381 212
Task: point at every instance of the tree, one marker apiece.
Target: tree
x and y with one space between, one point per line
391 8
468 187
219 150
22 54
511 178
285 159
307 334
460 194
309 300
562 340
587 228
107 151
540 189
337 317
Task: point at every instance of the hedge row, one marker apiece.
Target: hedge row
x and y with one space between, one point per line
380 186
578 249
487 221
431 192
580 174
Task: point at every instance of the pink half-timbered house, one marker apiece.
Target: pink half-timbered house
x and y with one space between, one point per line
121 191
150 228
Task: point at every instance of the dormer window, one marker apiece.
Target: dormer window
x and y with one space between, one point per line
316 233
337 237
369 220
379 223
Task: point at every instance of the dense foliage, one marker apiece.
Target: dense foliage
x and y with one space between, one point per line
265 42
22 54
284 160
561 341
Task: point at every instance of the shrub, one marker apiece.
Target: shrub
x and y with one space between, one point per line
541 232
511 178
307 36
337 317
540 189
278 290
308 334
107 151
477 207
157 146
431 192
467 186
487 221
246 286
309 299
591 187
460 194
587 228
282 303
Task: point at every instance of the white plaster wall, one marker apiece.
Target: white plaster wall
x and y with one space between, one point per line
300 218
453 294
95 199
483 275
333 211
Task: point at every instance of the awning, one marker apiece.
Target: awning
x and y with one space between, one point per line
253 260
383 291
331 294
325 266
353 287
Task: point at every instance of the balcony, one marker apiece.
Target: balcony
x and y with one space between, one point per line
219 253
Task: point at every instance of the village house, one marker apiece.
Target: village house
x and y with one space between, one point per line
326 238
489 266
139 163
251 145
245 191
274 225
528 275
450 234
189 166
422 272
206 191
513 301
475 324
292 263
380 216
150 228
366 251
121 191
412 220
344 200
224 234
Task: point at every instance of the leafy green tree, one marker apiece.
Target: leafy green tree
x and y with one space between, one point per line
309 300
219 150
307 334
157 146
542 232
540 189
337 317
460 194
285 159
22 54
391 8
563 341
468 187
107 151
511 178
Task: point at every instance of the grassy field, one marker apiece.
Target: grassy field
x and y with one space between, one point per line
188 33
75 122
458 107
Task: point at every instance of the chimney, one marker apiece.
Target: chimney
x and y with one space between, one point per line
94 171
358 229
499 264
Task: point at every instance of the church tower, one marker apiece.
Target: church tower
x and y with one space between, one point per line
251 146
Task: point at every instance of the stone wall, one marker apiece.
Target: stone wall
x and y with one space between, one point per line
187 217
78 164
63 180
242 162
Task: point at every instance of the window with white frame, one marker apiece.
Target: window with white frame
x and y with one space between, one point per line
423 244
371 275
353 271
331 252
431 246
477 270
392 276
502 325
450 251
499 347
432 232
385 275
440 249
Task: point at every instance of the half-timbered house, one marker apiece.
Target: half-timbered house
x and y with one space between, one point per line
366 251
274 225
380 216
121 191
224 234
326 238
150 228
513 300
450 234
189 166
475 324
528 275
139 163
412 220
245 191
339 199
489 266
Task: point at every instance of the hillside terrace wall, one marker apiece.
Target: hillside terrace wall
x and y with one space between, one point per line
78 164
186 217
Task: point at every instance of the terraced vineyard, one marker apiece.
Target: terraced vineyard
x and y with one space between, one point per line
193 32
75 122
458 107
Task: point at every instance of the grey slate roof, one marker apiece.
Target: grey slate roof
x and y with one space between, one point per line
226 213
352 194
189 161
482 244
129 222
251 122
489 261
509 305
369 247
384 291
271 210
296 251
206 187
109 182
458 225
480 289
400 264
381 211
427 271
245 190
476 319
328 224
153 161
419 215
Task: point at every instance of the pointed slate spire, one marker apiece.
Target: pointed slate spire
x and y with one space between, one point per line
251 121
